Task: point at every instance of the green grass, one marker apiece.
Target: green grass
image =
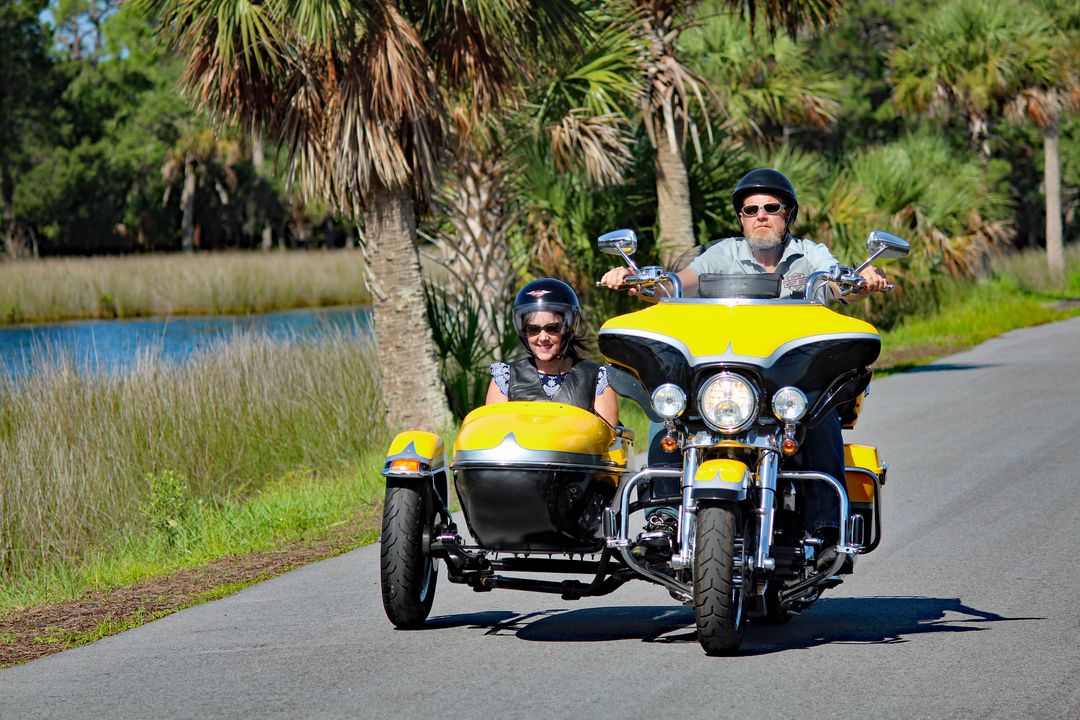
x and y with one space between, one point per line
1018 295
206 283
296 507
110 478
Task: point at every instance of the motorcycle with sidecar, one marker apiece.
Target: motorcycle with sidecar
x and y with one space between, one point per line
731 380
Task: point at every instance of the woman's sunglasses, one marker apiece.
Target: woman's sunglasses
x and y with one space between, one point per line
769 208
551 329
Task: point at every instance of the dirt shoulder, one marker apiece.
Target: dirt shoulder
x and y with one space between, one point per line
46 629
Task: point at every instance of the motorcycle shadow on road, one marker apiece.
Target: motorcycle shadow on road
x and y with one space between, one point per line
832 621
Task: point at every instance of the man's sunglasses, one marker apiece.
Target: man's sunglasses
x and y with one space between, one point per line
769 208
551 329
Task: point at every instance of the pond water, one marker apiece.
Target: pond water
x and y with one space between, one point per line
113 344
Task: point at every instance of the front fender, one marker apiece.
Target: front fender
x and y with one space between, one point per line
722 479
415 453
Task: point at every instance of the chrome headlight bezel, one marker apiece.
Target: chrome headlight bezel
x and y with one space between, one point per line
747 405
669 393
786 395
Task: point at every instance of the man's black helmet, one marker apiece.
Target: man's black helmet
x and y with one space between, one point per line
766 180
547 295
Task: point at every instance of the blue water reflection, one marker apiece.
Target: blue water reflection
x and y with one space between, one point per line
114 344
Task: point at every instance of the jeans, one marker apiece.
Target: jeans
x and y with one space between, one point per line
822 450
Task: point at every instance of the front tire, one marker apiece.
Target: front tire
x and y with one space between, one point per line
408 575
720 573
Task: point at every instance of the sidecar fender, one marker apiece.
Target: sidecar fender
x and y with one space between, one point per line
722 479
415 453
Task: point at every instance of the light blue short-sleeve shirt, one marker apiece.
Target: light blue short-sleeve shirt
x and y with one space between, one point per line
800 258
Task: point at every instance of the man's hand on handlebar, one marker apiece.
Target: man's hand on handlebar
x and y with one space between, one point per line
615 279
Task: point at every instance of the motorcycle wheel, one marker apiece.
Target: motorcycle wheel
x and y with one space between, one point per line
408 574
719 571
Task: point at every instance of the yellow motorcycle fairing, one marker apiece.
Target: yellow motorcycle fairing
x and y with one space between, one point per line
536 476
415 452
781 342
748 331
538 433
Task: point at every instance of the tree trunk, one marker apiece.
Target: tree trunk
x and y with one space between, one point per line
1055 250
673 201
187 205
479 206
411 385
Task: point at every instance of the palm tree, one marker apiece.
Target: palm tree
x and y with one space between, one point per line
354 92
980 57
761 80
570 115
671 87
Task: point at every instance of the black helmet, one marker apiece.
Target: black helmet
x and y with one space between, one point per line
547 295
772 182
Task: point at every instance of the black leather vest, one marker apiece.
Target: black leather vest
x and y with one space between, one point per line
578 386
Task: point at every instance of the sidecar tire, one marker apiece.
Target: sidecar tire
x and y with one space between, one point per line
718 603
408 575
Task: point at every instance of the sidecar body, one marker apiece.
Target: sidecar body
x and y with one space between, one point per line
536 476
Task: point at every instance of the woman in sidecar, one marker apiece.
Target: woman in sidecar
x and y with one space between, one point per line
534 468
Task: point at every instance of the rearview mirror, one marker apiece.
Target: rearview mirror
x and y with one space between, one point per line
618 242
880 244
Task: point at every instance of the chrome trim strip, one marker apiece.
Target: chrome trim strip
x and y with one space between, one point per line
729 356
480 465
509 452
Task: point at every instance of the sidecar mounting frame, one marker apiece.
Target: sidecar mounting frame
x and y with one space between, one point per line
476 568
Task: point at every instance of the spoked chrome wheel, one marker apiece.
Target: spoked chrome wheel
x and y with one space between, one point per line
722 577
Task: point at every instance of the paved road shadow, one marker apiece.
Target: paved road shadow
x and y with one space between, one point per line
911 368
867 620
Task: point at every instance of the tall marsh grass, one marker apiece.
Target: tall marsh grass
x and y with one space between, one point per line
91 462
205 283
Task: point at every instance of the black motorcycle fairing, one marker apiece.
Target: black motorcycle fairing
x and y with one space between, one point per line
653 361
830 372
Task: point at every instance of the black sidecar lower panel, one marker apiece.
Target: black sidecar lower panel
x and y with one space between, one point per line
534 509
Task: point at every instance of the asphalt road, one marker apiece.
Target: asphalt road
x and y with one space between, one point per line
969 609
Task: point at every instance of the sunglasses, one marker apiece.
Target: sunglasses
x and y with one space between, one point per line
769 208
551 329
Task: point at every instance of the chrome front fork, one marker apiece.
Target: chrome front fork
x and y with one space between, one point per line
768 466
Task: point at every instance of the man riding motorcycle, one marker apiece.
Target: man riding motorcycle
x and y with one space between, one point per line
767 205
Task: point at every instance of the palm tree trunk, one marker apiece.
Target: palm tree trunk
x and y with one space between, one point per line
410 370
1055 250
187 204
673 201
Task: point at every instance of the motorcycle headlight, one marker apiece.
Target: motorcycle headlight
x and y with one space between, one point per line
669 401
789 404
728 402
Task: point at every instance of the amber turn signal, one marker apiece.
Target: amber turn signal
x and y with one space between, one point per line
789 446
668 444
405 465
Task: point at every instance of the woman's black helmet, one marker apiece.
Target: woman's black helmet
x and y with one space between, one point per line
766 180
547 295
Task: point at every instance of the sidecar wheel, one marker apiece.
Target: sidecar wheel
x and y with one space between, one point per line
719 570
408 575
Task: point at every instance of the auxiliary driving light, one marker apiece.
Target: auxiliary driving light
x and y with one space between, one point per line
789 404
669 401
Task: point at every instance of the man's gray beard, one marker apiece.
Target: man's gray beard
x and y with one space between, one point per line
766 240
